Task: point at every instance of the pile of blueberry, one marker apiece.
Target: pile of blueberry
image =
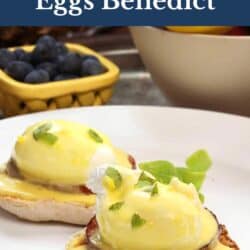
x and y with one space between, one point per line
49 61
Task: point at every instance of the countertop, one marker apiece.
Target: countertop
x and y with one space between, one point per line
137 90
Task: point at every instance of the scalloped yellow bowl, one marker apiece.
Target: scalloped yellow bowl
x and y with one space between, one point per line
21 98
216 30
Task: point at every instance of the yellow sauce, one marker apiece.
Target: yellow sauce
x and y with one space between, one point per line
70 159
77 242
10 187
80 248
175 217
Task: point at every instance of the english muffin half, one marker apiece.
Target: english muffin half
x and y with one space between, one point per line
45 178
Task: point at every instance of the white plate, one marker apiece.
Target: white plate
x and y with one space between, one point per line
151 133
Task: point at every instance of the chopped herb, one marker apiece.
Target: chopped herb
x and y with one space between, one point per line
137 221
163 171
115 176
42 134
116 206
143 184
49 138
202 197
95 136
155 190
144 180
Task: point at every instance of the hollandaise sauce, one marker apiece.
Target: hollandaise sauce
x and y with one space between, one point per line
63 153
143 210
136 212
14 188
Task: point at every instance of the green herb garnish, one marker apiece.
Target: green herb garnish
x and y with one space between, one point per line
163 171
199 161
147 183
144 180
116 206
202 197
137 221
115 176
42 134
154 190
195 171
95 136
188 176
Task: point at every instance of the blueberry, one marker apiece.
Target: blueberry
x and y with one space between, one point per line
58 59
18 70
45 51
22 55
85 57
62 77
37 76
91 66
47 40
51 68
6 57
70 63
61 49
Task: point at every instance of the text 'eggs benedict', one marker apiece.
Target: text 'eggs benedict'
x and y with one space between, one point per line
152 208
51 161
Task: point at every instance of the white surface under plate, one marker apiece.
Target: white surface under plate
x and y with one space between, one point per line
151 133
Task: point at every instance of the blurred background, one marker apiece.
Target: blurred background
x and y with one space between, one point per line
199 67
135 86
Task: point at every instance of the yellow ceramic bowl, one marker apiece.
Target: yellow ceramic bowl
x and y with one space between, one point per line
20 98
216 30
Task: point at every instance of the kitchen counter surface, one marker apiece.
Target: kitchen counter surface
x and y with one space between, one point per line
137 89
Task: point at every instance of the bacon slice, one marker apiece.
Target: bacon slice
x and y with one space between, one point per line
132 161
91 230
85 190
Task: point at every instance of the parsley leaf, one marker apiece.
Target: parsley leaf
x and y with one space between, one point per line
41 134
95 136
116 206
154 190
163 171
188 176
199 161
137 221
144 180
115 176
195 171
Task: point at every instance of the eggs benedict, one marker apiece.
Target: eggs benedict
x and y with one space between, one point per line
156 207
45 179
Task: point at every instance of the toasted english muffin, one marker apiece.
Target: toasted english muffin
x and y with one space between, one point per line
40 204
47 210
45 177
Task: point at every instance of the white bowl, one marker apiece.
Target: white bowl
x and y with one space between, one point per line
196 70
